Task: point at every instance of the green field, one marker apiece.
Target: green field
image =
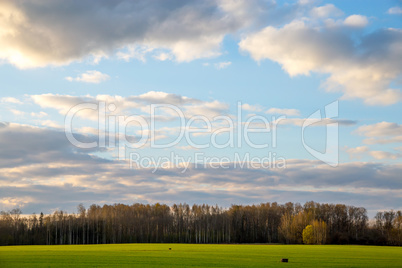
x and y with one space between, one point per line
185 255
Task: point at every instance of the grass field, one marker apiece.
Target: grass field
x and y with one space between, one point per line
185 255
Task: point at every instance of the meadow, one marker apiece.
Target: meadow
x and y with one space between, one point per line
195 255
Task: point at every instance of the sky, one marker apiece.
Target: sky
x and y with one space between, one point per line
218 102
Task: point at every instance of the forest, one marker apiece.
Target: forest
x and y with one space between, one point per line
311 223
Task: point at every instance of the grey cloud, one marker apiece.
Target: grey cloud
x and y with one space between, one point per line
46 199
4 124
23 145
58 32
41 171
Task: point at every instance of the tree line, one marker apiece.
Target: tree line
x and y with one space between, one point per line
311 223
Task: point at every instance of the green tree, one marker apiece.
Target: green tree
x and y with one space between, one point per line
308 235
315 233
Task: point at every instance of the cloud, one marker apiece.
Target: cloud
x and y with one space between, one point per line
251 108
395 10
328 10
135 52
40 171
163 56
363 69
94 77
171 105
51 124
48 172
42 33
306 121
289 112
358 152
25 145
222 65
63 103
358 21
381 133
163 97
39 115
17 112
385 155
361 151
11 100
277 111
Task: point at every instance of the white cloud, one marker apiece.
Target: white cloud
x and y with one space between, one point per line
357 152
381 129
289 112
51 124
163 56
380 155
361 151
381 133
17 112
11 100
135 52
222 65
251 108
329 10
385 140
395 10
306 2
358 21
94 77
363 71
138 103
39 115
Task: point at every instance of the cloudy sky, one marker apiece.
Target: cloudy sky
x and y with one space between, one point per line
220 102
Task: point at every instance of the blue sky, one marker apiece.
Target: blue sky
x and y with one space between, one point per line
277 59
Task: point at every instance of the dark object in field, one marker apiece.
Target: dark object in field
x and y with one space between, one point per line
284 260
170 248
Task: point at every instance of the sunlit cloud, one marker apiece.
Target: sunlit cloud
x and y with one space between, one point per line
11 100
358 21
94 77
360 71
381 133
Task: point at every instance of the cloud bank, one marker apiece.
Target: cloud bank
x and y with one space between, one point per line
50 173
41 33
